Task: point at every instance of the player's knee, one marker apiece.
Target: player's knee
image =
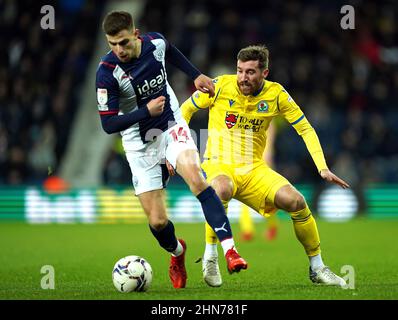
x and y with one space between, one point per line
223 187
296 203
158 223
224 193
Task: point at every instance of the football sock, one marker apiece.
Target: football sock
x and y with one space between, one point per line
166 237
215 213
228 244
211 237
316 262
211 248
210 251
178 251
306 231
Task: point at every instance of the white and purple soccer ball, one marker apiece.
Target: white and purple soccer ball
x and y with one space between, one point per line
132 273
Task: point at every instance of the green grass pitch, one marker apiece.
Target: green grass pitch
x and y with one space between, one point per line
83 257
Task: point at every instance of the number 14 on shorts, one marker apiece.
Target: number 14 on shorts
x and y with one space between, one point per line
179 134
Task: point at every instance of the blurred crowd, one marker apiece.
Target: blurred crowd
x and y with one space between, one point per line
40 78
346 81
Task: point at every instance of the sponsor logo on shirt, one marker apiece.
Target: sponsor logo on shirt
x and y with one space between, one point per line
250 123
152 86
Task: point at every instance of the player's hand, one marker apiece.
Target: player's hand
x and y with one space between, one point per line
331 177
205 84
156 106
170 169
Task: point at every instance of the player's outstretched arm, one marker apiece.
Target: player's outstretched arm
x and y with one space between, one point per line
205 84
331 177
202 82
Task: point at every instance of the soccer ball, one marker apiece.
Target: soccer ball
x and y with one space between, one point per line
132 273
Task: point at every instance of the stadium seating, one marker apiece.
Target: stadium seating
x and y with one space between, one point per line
344 80
40 82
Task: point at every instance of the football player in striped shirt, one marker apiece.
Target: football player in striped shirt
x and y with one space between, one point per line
135 99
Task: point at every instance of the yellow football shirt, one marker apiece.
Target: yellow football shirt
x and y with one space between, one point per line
238 124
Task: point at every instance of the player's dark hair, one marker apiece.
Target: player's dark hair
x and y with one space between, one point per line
116 21
258 53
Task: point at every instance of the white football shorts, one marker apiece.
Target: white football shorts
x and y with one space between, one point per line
148 166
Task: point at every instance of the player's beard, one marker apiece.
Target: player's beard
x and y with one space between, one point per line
244 87
248 88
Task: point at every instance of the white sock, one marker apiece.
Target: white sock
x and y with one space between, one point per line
228 244
316 262
210 251
179 250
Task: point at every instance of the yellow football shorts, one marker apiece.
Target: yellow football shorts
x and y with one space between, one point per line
254 185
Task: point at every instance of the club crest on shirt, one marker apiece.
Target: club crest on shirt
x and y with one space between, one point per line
262 106
231 119
158 54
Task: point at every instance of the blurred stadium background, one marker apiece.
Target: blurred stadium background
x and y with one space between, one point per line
57 165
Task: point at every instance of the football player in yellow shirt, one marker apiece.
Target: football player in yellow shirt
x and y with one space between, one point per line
239 115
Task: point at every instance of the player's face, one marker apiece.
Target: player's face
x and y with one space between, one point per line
124 44
250 77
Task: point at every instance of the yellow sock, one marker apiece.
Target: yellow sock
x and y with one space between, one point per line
245 220
306 231
211 237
